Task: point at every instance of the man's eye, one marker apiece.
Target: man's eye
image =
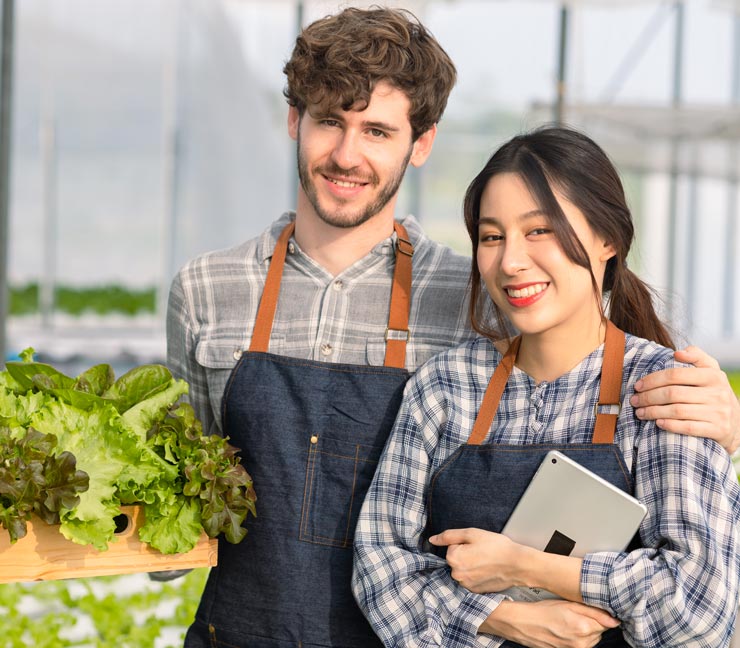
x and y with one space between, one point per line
329 122
376 132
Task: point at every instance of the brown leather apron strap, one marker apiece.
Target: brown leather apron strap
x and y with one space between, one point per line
610 392
607 408
493 394
397 333
268 302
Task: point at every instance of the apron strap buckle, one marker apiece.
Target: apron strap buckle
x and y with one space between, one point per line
397 334
606 422
607 408
404 246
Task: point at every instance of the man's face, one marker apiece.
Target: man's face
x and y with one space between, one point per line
351 163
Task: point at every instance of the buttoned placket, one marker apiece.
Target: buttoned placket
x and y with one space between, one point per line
332 294
332 304
324 348
334 301
537 411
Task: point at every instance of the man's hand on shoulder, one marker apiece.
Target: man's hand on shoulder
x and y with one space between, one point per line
696 401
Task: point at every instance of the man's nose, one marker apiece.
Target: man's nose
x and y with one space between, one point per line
347 153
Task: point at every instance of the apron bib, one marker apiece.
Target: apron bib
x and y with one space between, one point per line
311 434
479 485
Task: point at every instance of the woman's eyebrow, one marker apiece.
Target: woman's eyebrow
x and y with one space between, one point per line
534 213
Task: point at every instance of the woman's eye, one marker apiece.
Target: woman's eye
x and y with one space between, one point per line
539 231
489 238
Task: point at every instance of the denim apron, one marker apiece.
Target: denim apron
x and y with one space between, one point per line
479 485
311 434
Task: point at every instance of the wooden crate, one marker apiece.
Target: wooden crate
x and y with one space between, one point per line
45 554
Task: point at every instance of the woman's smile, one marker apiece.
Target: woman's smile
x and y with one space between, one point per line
525 294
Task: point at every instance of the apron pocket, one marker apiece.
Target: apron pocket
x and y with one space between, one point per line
338 474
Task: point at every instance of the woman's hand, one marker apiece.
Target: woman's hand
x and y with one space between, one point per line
549 624
481 561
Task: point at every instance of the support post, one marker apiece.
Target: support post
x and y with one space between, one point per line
6 102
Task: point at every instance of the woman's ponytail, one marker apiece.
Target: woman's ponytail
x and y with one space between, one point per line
631 308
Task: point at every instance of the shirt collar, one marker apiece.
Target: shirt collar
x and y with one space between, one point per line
269 237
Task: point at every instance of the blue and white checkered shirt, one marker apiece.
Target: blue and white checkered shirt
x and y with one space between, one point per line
681 590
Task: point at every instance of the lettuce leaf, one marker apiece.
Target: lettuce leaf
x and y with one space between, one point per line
38 374
95 380
142 416
172 527
33 479
137 385
103 449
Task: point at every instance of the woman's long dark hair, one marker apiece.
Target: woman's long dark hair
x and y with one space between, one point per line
581 171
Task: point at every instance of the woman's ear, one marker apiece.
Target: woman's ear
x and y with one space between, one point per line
607 253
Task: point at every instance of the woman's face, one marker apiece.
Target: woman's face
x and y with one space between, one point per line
526 272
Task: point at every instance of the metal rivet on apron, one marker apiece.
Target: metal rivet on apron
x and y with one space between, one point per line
326 349
238 354
314 439
291 248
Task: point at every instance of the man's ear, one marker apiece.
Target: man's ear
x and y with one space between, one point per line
294 120
423 147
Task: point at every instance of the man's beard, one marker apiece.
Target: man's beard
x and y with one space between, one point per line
337 217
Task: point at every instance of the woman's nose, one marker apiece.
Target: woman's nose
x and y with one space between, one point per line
515 257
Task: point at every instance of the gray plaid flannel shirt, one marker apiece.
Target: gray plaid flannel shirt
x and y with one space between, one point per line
214 298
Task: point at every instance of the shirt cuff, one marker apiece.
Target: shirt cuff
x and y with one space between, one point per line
478 608
596 570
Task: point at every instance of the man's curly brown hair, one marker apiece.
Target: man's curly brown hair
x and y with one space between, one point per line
338 60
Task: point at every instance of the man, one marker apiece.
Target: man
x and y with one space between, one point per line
303 367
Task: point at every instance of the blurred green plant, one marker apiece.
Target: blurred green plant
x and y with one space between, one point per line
99 612
24 300
734 377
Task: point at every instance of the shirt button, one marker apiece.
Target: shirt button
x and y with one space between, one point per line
326 349
237 354
338 285
291 247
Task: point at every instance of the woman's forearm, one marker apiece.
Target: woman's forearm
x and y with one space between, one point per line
560 575
547 623
484 562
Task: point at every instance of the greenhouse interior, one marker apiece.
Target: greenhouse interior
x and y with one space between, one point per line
136 135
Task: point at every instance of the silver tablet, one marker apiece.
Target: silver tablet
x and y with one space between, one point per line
569 510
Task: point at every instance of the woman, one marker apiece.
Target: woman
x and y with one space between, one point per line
551 231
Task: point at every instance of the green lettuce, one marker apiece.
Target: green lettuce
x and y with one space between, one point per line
133 442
